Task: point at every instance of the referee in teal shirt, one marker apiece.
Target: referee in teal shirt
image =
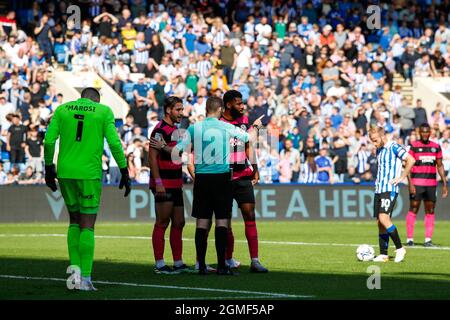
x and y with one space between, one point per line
209 140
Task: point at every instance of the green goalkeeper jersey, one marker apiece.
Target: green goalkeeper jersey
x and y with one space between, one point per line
81 126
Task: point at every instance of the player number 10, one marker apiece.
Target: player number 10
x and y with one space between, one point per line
385 203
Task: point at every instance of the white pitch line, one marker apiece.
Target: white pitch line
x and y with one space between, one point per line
266 294
293 243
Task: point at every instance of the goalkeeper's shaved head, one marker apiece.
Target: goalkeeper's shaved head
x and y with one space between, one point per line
91 94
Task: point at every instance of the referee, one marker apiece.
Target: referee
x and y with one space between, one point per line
210 142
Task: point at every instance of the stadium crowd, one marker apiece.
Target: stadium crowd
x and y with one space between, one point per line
316 69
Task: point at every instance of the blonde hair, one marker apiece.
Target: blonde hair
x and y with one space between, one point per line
376 129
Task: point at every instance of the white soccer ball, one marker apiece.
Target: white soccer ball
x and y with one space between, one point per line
365 253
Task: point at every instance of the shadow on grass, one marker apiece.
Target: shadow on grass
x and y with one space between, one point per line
314 285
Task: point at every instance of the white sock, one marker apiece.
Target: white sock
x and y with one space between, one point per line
410 239
86 279
427 239
178 263
255 260
160 263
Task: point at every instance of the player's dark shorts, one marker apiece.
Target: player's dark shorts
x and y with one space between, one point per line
424 193
384 203
243 191
213 193
172 195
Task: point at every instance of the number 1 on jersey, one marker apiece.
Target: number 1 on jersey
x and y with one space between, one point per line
79 135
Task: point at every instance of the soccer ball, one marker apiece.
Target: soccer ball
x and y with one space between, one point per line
365 253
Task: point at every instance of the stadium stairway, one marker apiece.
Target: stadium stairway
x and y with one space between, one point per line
407 88
70 84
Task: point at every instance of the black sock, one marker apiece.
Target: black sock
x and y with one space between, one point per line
200 246
383 240
393 233
221 245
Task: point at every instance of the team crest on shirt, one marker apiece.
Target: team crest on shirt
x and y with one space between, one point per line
243 127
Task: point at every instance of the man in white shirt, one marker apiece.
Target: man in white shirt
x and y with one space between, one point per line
166 69
422 66
168 37
21 60
264 33
136 149
11 48
5 108
244 56
3 176
443 32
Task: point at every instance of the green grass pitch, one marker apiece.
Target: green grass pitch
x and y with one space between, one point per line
307 260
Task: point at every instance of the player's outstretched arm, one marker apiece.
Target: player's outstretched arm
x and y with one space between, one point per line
51 136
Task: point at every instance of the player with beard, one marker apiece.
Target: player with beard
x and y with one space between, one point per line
423 183
166 184
245 176
390 156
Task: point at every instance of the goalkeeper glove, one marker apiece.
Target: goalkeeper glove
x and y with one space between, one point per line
50 176
125 181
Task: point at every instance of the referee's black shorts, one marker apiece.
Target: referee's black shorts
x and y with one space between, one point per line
213 193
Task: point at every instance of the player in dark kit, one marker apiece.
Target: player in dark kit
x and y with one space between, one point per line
245 176
166 184
423 183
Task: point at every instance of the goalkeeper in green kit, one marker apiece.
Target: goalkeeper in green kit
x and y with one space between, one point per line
82 126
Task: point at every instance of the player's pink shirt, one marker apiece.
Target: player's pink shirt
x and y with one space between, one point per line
423 173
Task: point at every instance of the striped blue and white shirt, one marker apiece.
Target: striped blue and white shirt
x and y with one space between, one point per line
362 156
140 56
389 159
203 67
308 176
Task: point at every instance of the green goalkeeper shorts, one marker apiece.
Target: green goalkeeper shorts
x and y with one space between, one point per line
81 195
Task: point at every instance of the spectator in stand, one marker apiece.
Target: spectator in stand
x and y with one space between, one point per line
15 144
28 177
407 116
420 114
324 165
303 77
34 150
3 176
294 159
